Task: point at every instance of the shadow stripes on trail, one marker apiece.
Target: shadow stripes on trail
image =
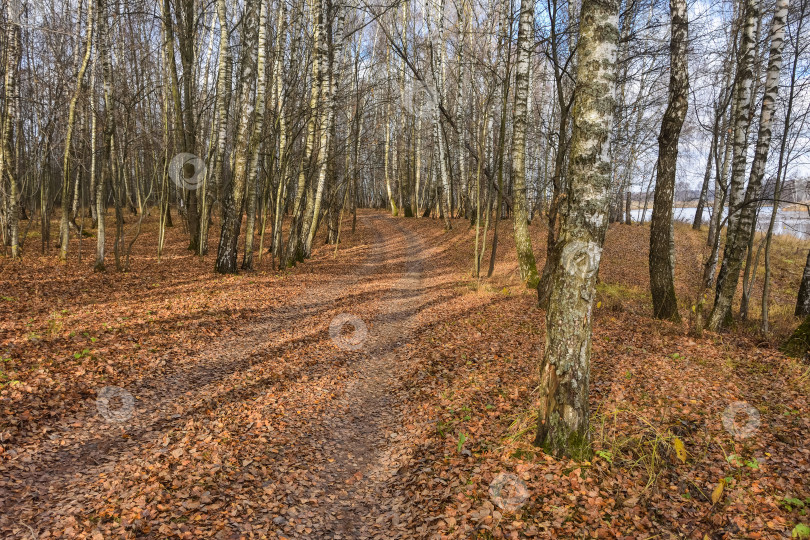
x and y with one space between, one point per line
348 448
51 473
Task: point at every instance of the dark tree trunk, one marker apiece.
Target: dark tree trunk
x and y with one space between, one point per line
704 190
662 264
628 203
803 300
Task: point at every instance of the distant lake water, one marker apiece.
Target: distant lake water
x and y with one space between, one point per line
794 223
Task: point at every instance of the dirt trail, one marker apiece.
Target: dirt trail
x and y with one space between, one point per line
347 446
358 435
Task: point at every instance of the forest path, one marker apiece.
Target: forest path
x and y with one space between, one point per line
352 450
333 413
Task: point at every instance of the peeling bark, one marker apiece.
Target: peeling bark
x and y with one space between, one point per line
523 242
741 229
563 415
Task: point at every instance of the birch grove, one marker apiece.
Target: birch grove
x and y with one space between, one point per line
254 128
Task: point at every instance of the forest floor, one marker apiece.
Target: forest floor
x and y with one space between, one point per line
172 402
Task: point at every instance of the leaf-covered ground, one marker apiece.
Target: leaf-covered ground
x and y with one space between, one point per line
250 418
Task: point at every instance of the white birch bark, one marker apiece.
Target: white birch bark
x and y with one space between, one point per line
294 254
741 229
108 151
563 415
256 136
523 242
226 262
64 224
661 255
278 103
328 99
8 162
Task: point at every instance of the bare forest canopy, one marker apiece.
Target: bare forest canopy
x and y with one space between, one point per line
197 110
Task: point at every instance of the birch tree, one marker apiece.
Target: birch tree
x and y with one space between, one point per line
662 241
437 51
798 45
281 124
227 252
742 212
8 162
294 253
330 88
563 413
215 171
64 227
523 242
256 135
108 148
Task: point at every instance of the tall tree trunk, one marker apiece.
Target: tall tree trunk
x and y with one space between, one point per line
387 148
662 256
64 224
294 243
187 42
741 229
8 161
45 196
563 416
479 251
108 154
278 103
766 282
174 81
93 143
214 173
505 39
322 140
164 193
437 65
523 242
227 253
707 177
255 137
461 162
333 61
